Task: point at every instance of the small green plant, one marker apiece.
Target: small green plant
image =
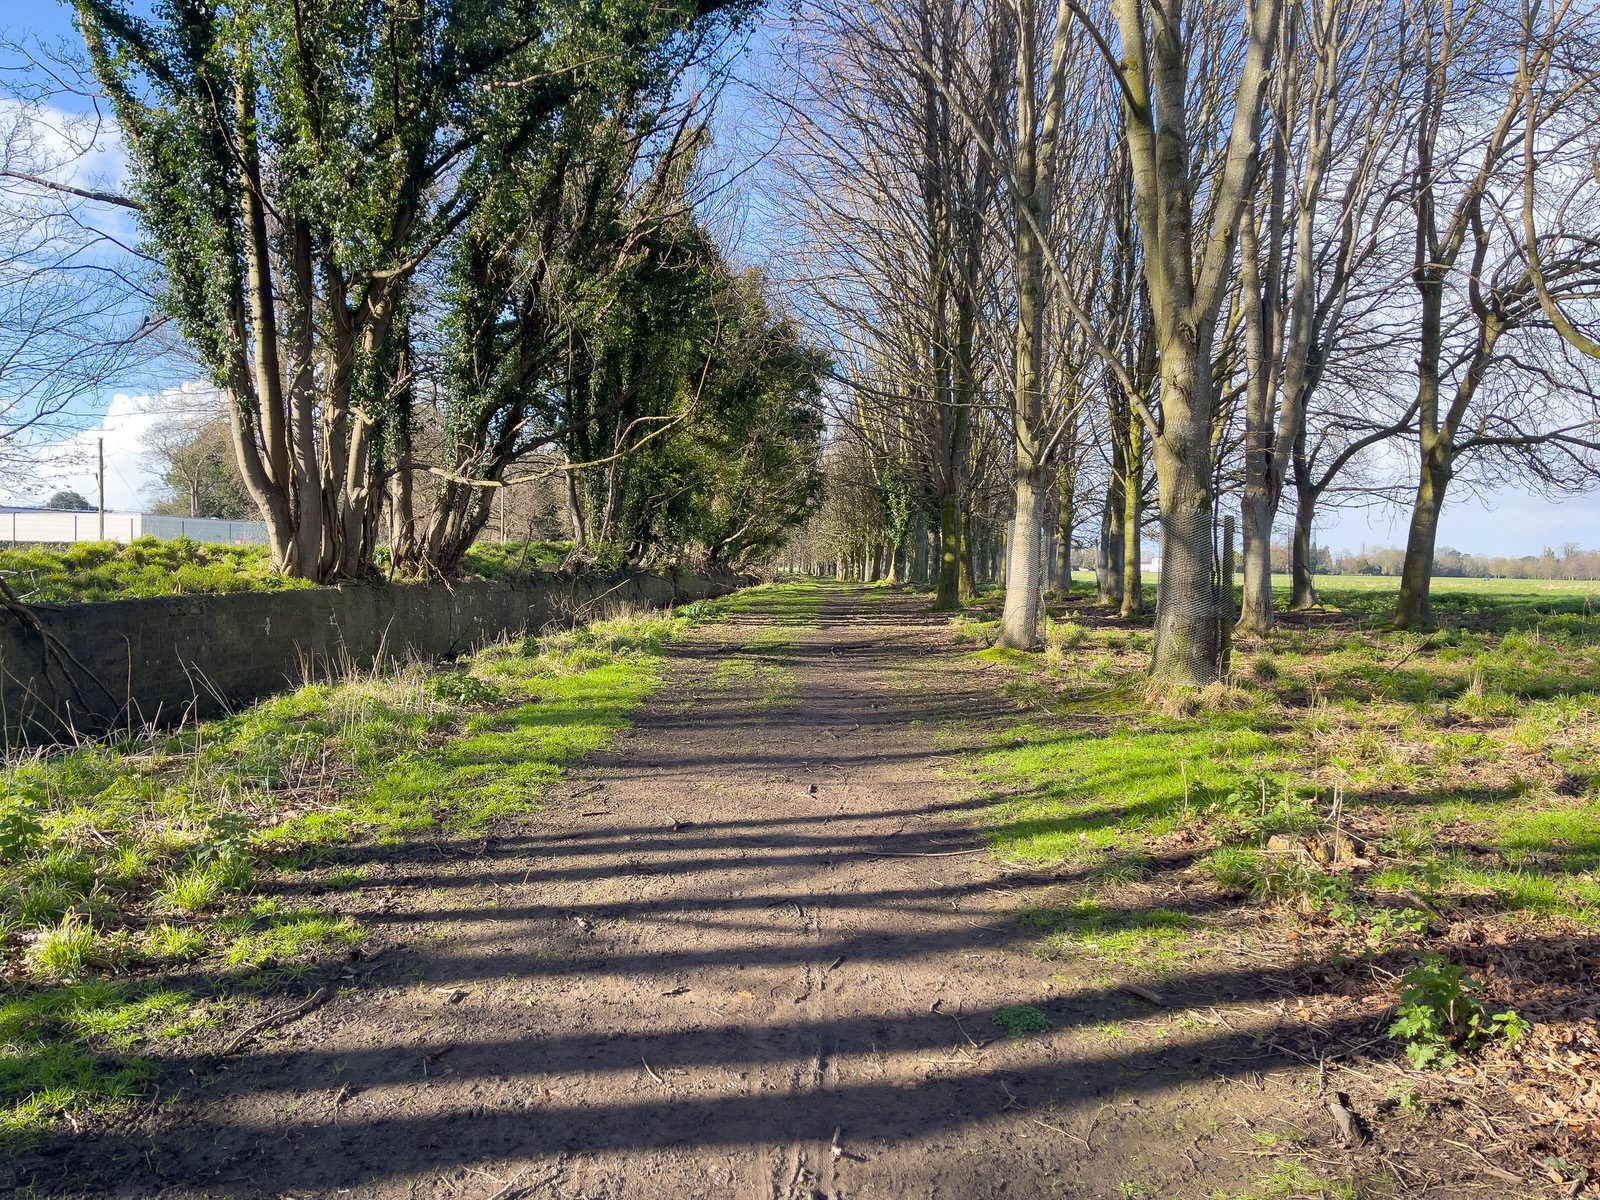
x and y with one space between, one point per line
1439 1015
190 891
1410 1100
68 949
1388 926
20 828
696 611
1022 1020
177 943
458 687
1233 868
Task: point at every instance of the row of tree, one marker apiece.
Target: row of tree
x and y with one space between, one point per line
429 250
1102 264
1572 562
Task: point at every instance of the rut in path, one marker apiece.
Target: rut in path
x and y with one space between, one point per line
754 949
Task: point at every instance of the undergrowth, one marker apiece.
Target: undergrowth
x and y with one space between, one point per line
143 568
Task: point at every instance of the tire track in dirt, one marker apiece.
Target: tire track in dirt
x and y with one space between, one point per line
752 955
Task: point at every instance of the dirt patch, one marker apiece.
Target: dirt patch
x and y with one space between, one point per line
753 950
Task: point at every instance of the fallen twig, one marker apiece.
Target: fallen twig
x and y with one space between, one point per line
278 1018
1144 993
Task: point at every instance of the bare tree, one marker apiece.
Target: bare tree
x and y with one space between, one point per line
72 308
1320 220
1188 228
1485 389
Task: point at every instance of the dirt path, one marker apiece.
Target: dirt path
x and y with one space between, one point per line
747 952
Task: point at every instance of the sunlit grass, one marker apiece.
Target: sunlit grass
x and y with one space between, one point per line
146 567
1484 736
153 855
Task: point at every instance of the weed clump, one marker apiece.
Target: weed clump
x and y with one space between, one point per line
1440 1015
1022 1020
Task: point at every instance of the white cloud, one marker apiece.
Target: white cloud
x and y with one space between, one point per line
70 464
83 150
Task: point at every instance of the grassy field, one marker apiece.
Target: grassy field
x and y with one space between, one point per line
147 567
151 888
1415 817
151 567
1490 721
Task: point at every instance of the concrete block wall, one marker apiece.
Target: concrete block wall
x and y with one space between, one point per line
125 663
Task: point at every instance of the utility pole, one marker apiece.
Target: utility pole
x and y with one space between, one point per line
101 445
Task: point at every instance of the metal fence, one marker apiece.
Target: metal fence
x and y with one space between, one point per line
36 526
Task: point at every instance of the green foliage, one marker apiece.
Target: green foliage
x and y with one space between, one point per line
20 829
508 560
1440 1015
462 688
49 1060
146 567
66 949
403 155
1143 937
1022 1020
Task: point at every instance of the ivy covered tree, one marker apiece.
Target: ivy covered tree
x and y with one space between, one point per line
725 487
530 287
297 166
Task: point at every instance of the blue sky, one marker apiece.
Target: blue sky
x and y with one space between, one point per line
1505 521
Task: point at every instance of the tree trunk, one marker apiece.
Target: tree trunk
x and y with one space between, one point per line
1187 627
969 559
1413 609
949 594
1255 512
1019 623
1133 522
1066 522
575 515
1112 530
1303 593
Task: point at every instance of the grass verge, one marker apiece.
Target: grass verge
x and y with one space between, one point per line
149 567
145 882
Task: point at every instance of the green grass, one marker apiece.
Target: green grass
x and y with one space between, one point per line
151 567
1150 937
122 863
1467 761
1022 1020
765 662
1289 1180
143 568
489 559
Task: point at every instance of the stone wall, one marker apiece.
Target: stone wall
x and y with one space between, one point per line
129 663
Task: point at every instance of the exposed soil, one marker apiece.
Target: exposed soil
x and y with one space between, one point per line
755 949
